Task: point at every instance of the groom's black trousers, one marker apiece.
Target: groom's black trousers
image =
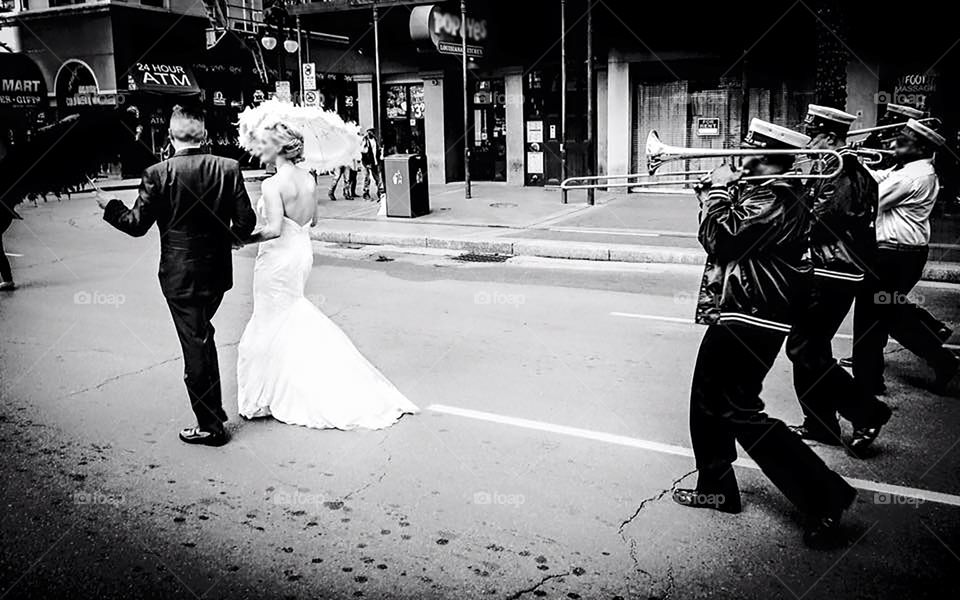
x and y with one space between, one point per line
725 407
201 371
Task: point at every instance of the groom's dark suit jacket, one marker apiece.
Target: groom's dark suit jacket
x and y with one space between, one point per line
201 207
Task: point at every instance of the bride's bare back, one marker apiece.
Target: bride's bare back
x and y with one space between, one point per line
291 193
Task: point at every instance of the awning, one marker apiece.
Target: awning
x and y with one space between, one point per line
162 78
21 83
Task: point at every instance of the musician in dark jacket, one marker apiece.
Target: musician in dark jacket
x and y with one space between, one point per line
201 208
842 247
755 238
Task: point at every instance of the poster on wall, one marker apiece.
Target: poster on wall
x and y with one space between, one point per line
534 162
396 102
915 90
708 126
416 101
535 132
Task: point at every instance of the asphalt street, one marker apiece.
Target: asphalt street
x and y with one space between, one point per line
553 427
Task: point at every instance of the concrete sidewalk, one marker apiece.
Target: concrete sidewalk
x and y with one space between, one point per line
531 221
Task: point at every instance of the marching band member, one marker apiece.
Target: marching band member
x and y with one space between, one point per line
755 239
908 192
842 243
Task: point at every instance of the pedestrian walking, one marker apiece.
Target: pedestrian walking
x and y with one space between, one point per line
200 205
842 246
755 239
371 158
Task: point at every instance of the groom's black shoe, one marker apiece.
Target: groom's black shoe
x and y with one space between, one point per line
728 503
205 437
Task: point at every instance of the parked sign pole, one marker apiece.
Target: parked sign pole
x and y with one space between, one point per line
466 108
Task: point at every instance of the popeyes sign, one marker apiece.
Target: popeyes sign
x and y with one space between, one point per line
442 30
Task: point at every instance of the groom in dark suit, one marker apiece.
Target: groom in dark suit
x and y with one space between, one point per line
201 207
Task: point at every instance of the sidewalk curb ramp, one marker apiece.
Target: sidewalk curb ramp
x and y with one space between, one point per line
934 271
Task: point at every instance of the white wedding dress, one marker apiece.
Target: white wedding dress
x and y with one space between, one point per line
294 363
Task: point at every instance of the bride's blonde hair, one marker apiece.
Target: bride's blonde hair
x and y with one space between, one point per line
289 139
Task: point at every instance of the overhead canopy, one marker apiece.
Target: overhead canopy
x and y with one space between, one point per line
21 83
162 78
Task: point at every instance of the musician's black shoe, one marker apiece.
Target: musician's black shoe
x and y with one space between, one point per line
864 435
715 500
205 437
944 333
830 437
823 532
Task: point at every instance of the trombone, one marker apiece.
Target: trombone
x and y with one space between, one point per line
872 156
659 153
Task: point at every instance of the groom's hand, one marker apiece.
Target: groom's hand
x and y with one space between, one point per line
102 201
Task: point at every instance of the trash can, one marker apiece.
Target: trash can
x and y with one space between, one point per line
408 194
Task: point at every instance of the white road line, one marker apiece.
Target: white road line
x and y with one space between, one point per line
842 336
14 255
896 491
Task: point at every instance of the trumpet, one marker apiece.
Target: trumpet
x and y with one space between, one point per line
659 153
929 121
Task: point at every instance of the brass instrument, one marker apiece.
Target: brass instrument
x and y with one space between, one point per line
659 153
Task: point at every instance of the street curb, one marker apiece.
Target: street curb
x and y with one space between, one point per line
934 271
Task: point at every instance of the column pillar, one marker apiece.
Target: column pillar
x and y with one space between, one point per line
619 93
433 127
513 88
863 89
365 101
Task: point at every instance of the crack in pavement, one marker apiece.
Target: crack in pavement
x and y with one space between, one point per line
149 367
370 484
632 543
653 498
538 585
120 376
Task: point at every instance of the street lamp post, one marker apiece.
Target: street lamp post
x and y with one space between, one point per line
466 108
563 90
376 73
591 153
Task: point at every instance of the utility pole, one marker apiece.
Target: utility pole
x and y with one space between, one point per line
376 74
563 90
591 151
300 57
466 107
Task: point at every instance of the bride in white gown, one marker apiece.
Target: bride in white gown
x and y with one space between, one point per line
294 363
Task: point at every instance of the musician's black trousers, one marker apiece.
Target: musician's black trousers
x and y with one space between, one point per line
201 370
5 272
725 407
823 387
883 310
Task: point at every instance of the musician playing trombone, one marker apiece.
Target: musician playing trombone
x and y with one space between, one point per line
907 193
842 245
755 238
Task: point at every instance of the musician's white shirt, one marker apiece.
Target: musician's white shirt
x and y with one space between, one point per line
907 196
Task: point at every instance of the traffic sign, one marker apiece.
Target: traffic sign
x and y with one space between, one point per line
309 76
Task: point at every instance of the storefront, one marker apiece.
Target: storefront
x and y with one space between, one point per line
23 98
